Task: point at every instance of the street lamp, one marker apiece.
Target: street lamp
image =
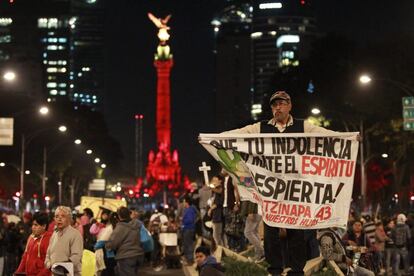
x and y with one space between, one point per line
78 141
103 166
62 128
366 79
24 144
2 164
9 76
97 160
315 111
89 152
44 110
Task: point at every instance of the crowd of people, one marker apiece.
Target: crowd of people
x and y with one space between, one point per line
124 240
40 244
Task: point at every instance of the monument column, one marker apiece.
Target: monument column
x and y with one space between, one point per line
163 170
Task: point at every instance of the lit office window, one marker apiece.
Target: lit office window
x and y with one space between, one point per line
51 85
86 69
62 85
5 21
52 47
52 23
53 92
285 62
5 38
62 62
62 40
288 54
52 40
62 92
51 69
42 23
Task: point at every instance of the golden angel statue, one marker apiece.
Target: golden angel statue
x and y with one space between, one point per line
161 24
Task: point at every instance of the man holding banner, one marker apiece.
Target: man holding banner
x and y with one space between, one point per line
297 179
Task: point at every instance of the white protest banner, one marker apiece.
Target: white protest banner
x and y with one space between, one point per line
301 180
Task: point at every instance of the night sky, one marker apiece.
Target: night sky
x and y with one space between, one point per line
131 77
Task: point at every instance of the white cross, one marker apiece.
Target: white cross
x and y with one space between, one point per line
204 168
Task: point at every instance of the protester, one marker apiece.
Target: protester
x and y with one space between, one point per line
34 255
332 249
249 210
25 229
2 244
389 246
97 227
206 264
401 236
158 220
216 210
188 230
283 122
125 241
66 244
12 241
369 228
380 239
233 223
205 193
103 254
87 220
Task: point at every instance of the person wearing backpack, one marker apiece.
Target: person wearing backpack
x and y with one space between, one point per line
401 236
125 241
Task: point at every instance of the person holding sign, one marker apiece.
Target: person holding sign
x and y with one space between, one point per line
302 244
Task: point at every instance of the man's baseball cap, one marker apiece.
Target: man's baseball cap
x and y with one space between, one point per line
279 95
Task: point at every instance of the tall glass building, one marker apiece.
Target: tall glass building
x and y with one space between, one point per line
55 49
255 40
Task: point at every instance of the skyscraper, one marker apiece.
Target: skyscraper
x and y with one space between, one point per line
255 40
232 28
55 48
282 32
86 52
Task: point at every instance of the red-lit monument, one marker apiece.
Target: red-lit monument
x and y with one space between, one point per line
163 171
